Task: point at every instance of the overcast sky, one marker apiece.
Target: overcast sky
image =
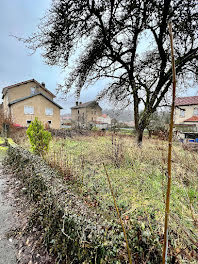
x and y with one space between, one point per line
20 18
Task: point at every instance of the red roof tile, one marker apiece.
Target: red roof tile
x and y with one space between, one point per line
192 119
191 100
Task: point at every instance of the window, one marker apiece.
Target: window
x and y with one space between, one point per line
28 110
49 111
33 90
182 113
78 112
28 122
49 122
195 113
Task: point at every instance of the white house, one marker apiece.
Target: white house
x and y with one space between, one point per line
103 121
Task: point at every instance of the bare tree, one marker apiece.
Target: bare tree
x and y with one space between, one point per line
110 32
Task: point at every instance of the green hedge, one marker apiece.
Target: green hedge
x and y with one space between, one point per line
72 231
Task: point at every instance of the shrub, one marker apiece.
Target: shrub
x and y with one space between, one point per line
39 138
94 128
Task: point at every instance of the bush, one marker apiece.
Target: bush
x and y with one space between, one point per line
39 138
94 128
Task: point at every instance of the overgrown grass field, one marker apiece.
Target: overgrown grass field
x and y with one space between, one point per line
138 177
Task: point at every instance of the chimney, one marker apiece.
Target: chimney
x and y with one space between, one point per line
43 84
80 102
77 103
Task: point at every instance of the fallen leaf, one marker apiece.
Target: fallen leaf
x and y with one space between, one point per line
28 242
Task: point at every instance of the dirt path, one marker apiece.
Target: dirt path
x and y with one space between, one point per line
7 250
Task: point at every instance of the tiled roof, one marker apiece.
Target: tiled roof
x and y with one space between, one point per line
191 100
27 97
83 105
192 119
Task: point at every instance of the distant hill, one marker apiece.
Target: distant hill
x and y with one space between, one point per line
120 115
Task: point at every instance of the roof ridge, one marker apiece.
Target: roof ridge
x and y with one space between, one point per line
187 96
24 82
188 100
193 118
84 104
30 96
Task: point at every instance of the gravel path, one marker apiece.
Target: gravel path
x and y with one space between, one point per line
7 250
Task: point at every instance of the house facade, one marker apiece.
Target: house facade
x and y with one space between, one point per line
66 121
186 111
103 121
26 100
85 115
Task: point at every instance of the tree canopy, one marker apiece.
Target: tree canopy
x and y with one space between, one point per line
109 34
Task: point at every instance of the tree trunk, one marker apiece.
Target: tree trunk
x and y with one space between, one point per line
150 133
140 136
136 111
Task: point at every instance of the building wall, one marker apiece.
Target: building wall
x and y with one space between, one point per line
103 119
24 90
79 115
189 112
84 116
39 103
43 91
102 126
191 123
93 112
5 105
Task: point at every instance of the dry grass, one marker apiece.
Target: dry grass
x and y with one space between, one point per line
138 179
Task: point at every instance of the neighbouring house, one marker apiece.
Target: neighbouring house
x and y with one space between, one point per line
103 121
66 121
130 124
85 115
24 101
65 118
186 111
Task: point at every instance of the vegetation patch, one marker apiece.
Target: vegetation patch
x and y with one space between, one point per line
4 146
74 210
139 182
72 230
